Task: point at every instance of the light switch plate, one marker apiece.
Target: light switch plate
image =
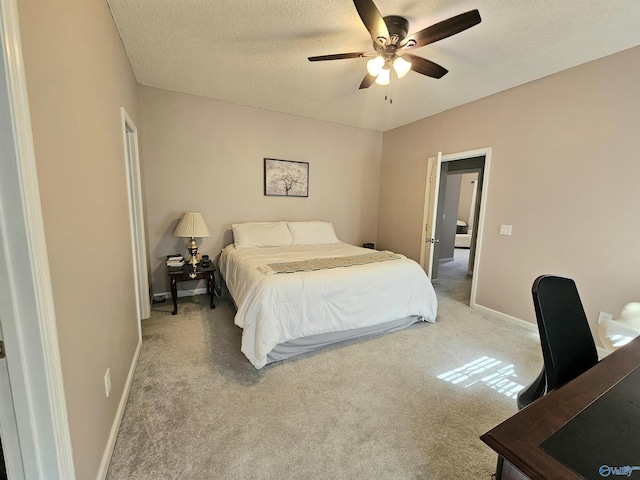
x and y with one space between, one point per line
505 229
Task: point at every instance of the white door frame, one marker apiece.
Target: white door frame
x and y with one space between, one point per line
26 304
8 422
432 206
136 217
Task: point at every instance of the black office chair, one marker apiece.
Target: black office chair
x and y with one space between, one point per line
568 349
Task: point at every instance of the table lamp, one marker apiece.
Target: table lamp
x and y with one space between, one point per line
192 225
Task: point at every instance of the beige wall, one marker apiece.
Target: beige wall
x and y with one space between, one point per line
564 173
78 77
207 156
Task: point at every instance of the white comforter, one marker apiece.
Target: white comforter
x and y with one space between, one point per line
275 308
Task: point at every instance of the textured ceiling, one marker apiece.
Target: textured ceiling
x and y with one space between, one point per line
254 52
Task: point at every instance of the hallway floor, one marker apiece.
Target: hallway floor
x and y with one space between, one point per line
453 280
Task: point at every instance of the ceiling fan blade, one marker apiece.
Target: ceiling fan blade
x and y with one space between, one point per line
443 29
425 67
374 22
367 81
341 56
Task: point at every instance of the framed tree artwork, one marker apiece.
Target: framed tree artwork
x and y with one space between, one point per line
284 178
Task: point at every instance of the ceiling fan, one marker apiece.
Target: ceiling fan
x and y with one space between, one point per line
392 45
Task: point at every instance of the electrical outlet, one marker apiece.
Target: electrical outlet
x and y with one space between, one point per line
158 298
604 316
107 382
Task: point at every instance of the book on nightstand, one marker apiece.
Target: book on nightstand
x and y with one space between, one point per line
175 260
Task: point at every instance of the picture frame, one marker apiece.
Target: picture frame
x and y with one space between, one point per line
286 178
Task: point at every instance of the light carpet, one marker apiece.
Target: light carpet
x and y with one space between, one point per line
366 409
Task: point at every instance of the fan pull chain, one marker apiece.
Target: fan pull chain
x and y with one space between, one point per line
388 95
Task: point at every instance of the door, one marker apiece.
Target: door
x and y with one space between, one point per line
429 240
438 219
12 465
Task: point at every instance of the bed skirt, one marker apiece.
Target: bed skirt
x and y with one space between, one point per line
303 345
300 346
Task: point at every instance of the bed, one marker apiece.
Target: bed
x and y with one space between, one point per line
463 235
286 314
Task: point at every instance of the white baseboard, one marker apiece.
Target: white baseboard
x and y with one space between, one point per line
183 293
111 443
508 318
602 352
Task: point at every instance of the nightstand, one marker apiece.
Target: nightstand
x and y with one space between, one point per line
187 273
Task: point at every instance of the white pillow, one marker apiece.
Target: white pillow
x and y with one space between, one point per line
261 234
312 233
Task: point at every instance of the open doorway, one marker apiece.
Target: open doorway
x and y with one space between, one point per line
455 262
454 211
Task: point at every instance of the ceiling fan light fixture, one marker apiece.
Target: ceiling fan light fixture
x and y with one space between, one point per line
390 44
401 66
374 66
384 77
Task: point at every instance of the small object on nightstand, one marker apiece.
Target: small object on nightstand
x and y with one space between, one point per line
175 260
369 245
204 261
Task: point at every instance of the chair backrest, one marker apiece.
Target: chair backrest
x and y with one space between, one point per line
567 344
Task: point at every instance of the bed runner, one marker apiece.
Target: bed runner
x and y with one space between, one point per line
331 262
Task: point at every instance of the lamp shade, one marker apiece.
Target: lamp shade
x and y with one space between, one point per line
191 225
383 77
375 65
401 66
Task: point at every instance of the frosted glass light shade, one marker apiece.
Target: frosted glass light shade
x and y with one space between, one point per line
191 225
375 65
383 77
401 66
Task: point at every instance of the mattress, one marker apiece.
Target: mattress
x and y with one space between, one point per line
276 308
463 240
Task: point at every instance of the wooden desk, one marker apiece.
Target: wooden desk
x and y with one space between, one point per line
519 438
